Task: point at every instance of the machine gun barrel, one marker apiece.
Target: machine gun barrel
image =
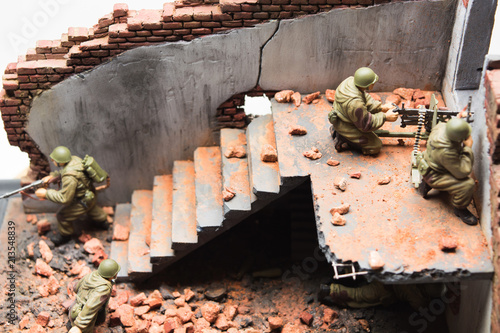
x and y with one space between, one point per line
34 185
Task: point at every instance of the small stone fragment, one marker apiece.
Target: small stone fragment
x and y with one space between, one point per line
343 209
43 318
331 162
296 99
384 181
120 232
24 322
340 183
227 193
338 219
210 311
52 285
230 311
180 301
375 260
297 130
120 298
31 249
93 245
405 93
171 324
84 238
41 268
235 151
283 96
222 323
329 315
356 174
330 95
184 314
275 323
268 154
30 218
43 227
312 154
448 243
188 294
311 97
306 318
45 251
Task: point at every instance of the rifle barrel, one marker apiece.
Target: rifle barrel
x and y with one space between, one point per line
24 188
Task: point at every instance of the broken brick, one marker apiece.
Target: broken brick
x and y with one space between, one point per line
306 318
120 298
375 260
140 310
93 245
43 227
84 238
227 194
311 97
180 301
171 324
340 183
184 314
405 93
356 174
143 326
297 130
330 95
30 218
312 154
235 151
98 257
210 311
230 311
138 300
126 315
268 154
376 97
120 232
329 315
296 99
41 268
45 251
188 294
31 249
338 219
24 322
396 99
384 181
43 318
52 285
283 96
275 323
448 243
222 323
331 162
120 9
343 209
417 94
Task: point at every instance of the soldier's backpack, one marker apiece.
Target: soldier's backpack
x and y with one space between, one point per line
92 168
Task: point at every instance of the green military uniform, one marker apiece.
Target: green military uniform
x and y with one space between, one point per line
77 195
93 293
449 166
355 115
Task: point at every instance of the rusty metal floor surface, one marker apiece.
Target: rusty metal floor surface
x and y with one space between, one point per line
392 219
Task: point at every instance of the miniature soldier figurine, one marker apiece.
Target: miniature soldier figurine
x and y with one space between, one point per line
77 194
355 114
92 296
447 163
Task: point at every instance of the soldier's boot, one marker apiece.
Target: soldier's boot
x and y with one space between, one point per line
424 189
102 225
324 292
466 216
59 239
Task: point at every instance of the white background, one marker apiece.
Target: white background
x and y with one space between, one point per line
22 23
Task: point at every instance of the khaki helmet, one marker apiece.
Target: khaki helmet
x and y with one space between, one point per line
457 129
364 77
108 268
61 155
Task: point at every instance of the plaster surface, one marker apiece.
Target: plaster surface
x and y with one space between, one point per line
149 106
405 43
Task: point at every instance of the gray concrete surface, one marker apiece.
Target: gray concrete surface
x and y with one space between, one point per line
406 43
148 106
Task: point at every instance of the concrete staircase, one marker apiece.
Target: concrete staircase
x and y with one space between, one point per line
186 209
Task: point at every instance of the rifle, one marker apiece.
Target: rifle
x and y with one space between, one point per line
35 185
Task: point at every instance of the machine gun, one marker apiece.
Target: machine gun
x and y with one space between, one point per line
35 185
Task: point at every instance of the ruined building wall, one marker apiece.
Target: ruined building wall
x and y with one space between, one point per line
81 49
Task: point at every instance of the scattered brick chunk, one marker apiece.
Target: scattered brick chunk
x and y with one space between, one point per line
384 181
120 9
93 245
312 154
283 96
45 251
171 324
120 298
140 310
84 238
311 97
24 322
275 323
396 99
126 315
188 294
184 314
331 162
180 301
210 311
417 94
448 243
375 260
43 318
98 257
235 151
30 218
143 326
330 95
364 324
222 323
268 154
228 194
376 97
306 318
52 285
338 219
356 174
31 249
138 300
405 93
41 268
37 328
120 232
43 227
340 183
297 130
329 315
343 209
296 98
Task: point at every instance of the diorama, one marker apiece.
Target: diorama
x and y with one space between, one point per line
257 166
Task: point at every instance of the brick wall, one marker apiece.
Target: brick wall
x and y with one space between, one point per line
80 49
492 104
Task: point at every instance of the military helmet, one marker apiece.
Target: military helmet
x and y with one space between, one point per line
61 154
108 268
457 129
364 77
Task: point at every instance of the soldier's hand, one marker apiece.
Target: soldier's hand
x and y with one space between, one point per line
391 116
41 193
468 141
387 107
75 329
47 179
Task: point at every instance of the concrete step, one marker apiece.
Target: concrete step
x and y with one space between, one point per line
139 264
235 174
161 226
119 249
264 176
208 183
184 233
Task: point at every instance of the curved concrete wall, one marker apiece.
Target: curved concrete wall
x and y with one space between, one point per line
153 105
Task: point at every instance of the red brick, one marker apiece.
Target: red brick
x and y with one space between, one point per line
23 79
10 110
250 23
11 68
230 7
32 55
202 13
136 39
232 24
115 52
73 62
211 24
299 2
261 15
43 46
201 31
250 7
291 8
309 8
365 2
117 40
216 30
183 14
162 32
105 21
79 69
172 25
284 2
285 15
182 32
120 9
143 33
222 17
155 39
242 15
349 2
64 70
94 44
168 11
146 19
78 34
43 318
191 25
38 78
172 38
28 86
21 94
120 30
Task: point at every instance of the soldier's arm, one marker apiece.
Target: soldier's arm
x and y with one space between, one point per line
364 120
96 300
66 194
372 105
458 164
